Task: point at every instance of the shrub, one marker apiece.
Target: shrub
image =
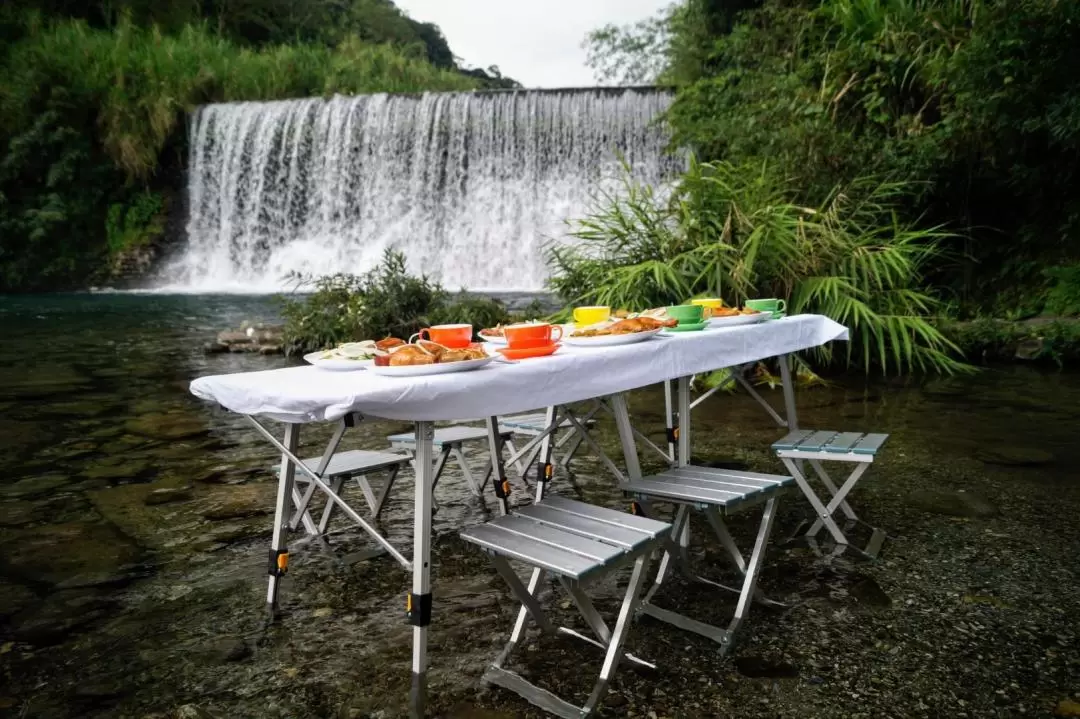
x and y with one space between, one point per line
734 232
387 301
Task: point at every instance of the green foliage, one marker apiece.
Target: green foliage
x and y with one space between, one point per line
138 223
991 340
972 105
385 302
1063 298
733 231
89 117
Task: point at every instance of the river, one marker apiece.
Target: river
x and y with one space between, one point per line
133 519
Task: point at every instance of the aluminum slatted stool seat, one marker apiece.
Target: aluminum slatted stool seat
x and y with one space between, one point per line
577 543
356 464
449 442
534 424
714 493
817 447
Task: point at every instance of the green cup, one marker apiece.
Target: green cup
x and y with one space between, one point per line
773 306
686 314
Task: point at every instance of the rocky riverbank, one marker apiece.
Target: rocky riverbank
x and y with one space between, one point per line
256 338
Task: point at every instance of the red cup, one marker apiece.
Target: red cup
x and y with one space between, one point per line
529 336
455 337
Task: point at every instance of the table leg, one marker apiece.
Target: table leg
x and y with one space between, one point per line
279 552
419 601
670 422
789 393
544 468
683 408
621 412
498 476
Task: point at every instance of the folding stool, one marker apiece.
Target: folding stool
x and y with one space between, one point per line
818 447
577 543
449 441
534 424
356 463
712 492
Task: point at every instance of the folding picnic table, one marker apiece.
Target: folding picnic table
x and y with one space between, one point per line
300 395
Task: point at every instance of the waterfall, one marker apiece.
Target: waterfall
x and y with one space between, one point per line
469 186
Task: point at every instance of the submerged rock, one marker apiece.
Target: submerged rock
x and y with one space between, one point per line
167 425
57 552
959 503
759 667
34 486
240 502
1014 456
59 615
166 495
868 592
14 598
19 513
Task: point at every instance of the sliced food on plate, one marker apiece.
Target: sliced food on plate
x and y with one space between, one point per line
620 332
345 357
423 357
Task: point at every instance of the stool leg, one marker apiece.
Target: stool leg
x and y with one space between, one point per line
460 457
752 570
328 510
722 533
377 509
824 516
839 496
827 481
618 635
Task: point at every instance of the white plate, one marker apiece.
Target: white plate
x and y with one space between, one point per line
493 340
609 340
337 365
423 370
736 320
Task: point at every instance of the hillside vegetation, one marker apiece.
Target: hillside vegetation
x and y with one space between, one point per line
93 98
970 107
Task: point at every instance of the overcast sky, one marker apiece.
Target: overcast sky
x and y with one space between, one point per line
536 42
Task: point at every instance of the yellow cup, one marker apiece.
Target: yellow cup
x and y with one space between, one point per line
712 303
585 316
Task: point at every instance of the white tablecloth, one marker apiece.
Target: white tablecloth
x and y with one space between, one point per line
573 374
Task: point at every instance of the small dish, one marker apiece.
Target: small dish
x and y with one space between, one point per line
695 327
528 352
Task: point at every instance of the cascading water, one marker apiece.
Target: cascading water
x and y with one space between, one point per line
470 186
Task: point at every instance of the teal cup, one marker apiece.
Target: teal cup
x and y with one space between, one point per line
686 314
773 306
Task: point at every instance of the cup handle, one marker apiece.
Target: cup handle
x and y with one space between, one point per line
552 336
419 335
781 306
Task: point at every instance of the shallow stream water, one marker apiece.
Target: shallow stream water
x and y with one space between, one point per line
119 599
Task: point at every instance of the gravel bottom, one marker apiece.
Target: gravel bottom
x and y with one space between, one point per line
971 610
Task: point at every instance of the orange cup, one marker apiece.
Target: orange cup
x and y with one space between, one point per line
528 336
454 337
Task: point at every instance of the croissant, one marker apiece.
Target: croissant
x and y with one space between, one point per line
388 344
411 355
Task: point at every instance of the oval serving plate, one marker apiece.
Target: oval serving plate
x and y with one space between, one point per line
336 364
493 339
609 340
424 370
737 320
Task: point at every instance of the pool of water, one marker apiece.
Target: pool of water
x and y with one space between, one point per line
133 520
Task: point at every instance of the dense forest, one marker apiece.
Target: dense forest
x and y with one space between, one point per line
969 109
93 97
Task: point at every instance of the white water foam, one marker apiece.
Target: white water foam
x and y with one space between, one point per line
470 186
